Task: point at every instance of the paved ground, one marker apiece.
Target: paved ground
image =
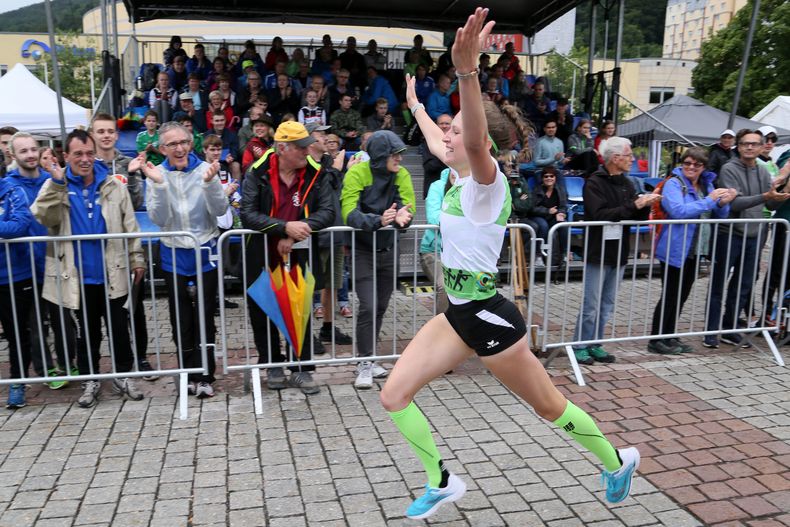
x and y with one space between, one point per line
713 429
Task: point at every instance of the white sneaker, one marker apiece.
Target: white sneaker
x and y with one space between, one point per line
126 387
90 394
379 372
428 503
364 376
191 388
539 262
204 389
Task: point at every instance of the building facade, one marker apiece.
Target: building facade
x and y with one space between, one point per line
689 23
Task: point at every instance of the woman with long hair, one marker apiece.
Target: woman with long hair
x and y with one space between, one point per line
607 131
581 149
479 320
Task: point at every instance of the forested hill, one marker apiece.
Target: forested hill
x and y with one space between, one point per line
32 19
643 29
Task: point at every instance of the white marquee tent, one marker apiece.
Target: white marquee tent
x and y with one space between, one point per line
31 106
776 112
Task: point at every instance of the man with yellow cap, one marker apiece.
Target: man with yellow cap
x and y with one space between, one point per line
288 201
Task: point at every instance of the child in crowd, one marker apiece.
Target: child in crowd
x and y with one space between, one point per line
312 113
261 141
148 140
381 119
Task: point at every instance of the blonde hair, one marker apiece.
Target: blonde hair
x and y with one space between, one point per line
507 126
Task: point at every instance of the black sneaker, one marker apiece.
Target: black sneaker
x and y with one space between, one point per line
663 347
144 365
318 348
341 338
684 348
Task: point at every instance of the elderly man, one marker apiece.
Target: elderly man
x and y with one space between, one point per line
608 196
287 199
91 277
184 194
722 151
738 246
188 110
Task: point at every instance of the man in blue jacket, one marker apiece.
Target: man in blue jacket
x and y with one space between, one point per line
16 285
378 87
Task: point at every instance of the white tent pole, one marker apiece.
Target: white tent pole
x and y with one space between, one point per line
55 70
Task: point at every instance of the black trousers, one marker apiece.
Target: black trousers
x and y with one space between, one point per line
139 325
676 287
64 327
186 324
775 276
15 317
95 308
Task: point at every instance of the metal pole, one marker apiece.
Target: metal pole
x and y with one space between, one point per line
618 50
55 71
114 15
665 125
591 53
744 63
104 40
46 74
93 88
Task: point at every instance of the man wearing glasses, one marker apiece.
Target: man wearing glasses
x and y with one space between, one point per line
738 246
185 194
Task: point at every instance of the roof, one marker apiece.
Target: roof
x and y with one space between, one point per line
776 112
694 119
524 16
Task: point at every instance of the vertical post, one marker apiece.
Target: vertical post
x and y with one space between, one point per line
591 53
114 18
744 64
104 40
93 88
618 51
55 70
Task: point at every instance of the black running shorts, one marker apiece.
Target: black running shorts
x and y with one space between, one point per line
487 326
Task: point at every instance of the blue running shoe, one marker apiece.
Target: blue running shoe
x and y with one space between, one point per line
618 483
428 503
16 396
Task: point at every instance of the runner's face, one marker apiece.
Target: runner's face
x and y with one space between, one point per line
455 152
26 153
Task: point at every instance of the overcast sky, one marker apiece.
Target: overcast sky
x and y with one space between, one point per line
10 5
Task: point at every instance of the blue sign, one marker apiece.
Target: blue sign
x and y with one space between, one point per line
39 48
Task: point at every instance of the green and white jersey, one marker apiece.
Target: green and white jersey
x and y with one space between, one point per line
472 224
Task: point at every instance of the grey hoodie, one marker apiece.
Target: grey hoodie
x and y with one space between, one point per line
751 183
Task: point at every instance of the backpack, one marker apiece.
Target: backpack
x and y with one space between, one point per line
657 211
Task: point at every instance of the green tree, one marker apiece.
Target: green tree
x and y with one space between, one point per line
716 75
67 15
643 28
74 64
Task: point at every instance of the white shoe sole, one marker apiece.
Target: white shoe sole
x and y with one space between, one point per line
363 386
457 493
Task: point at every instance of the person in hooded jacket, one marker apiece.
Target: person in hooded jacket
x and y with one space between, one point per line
689 193
16 285
376 194
91 277
185 194
286 199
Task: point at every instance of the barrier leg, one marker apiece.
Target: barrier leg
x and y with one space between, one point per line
771 344
577 372
182 396
246 380
257 398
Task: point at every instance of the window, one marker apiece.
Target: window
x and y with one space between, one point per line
661 94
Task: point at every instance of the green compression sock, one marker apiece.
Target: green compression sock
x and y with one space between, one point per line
414 426
580 426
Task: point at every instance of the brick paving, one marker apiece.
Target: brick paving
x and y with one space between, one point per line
713 429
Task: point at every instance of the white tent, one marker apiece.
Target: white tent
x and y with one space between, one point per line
31 106
776 112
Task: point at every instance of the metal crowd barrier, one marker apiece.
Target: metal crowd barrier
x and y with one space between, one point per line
64 323
635 298
405 319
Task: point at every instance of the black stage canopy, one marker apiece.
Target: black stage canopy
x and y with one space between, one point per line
513 16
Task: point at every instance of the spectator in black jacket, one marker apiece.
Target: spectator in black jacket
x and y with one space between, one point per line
608 196
562 116
431 165
276 195
722 151
550 206
230 142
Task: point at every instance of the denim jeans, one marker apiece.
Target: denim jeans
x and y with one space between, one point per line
600 290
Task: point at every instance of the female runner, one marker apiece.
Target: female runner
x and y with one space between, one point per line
479 320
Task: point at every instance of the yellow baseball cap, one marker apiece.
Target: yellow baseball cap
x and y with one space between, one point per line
293 132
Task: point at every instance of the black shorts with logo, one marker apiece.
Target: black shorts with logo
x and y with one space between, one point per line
487 326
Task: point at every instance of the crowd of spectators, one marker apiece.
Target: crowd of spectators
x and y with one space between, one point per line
261 143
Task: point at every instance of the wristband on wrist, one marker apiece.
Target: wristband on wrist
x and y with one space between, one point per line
472 73
418 106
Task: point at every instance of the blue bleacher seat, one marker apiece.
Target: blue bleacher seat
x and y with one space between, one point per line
574 186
